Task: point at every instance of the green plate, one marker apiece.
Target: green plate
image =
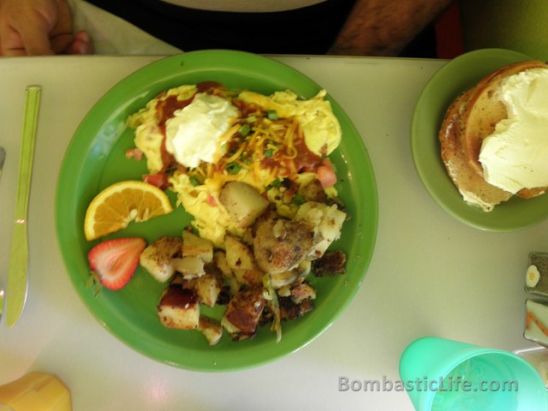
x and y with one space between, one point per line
445 85
95 158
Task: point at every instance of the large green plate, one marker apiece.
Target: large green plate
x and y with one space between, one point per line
447 83
95 159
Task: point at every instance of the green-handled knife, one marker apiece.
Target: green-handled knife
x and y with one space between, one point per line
16 291
2 160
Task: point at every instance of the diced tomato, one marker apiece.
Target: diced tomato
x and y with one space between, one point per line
326 174
159 180
211 200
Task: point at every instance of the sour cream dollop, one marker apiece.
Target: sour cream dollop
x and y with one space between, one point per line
193 133
515 156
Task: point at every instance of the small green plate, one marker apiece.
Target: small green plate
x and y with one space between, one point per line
445 85
95 158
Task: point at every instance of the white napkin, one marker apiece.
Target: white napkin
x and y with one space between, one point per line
113 35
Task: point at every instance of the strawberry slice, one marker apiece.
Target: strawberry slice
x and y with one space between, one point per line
114 261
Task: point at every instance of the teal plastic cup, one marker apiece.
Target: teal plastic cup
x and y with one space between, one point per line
447 375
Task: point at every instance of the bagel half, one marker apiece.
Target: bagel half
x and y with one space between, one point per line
468 121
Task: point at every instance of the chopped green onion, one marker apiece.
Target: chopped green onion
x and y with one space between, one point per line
244 130
268 153
272 115
194 181
233 168
275 184
298 199
251 119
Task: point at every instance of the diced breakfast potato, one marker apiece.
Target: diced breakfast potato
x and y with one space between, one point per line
208 288
243 312
302 292
327 222
189 267
238 255
194 246
156 258
220 261
211 329
314 191
332 263
243 202
249 277
291 311
179 308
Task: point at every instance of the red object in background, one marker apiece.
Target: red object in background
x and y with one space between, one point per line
449 39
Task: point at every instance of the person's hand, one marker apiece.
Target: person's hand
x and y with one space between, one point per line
39 27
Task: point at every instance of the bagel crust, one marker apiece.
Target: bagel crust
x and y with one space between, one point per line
471 185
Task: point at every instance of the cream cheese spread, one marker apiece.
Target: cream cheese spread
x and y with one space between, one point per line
193 133
515 156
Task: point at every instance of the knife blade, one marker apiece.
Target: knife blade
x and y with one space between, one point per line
2 160
16 291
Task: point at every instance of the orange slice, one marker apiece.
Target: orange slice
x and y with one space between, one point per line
121 203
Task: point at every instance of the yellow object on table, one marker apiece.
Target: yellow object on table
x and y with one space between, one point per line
35 392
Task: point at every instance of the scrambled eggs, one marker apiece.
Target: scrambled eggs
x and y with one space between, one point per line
202 136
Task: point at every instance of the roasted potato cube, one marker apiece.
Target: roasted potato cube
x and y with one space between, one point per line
243 202
330 264
189 267
249 277
327 222
302 292
194 246
156 258
208 288
220 261
238 255
211 329
179 308
244 312
291 311
314 191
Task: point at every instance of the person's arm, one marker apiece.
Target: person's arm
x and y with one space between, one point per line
384 27
39 27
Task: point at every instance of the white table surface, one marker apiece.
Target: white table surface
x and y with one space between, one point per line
430 274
